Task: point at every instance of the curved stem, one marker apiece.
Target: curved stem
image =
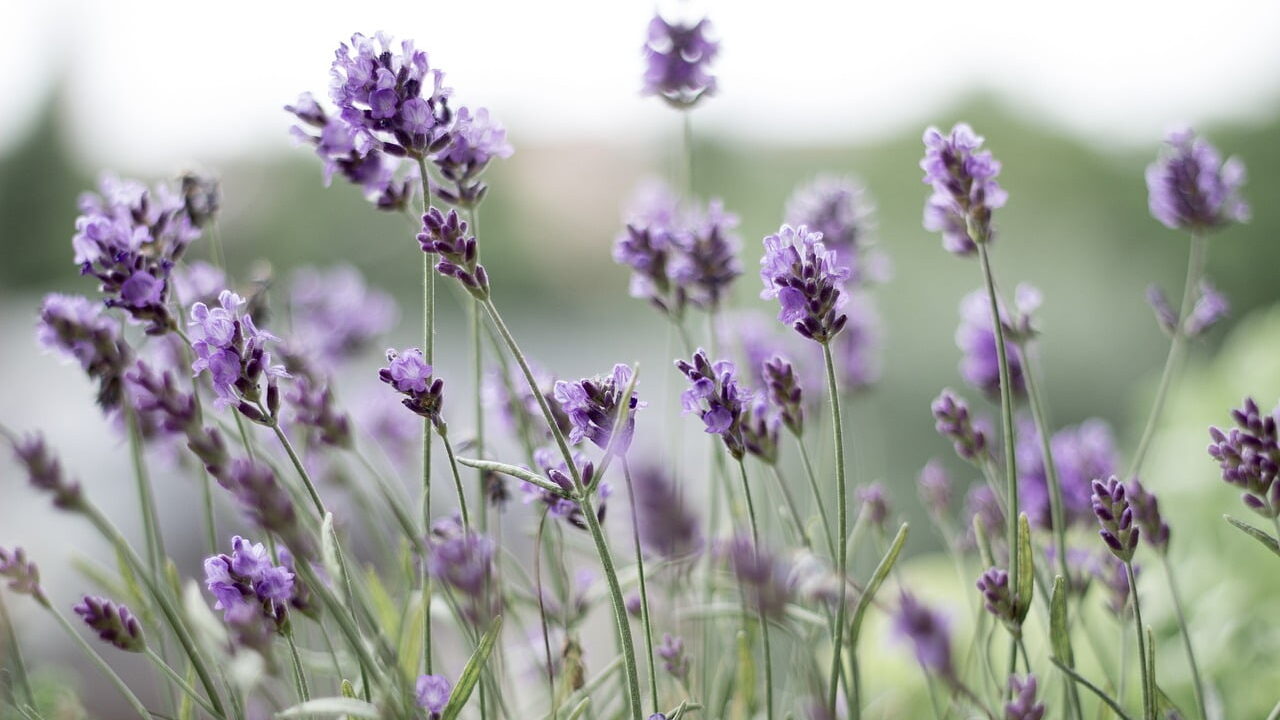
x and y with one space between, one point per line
1195 267
181 682
103 665
542 615
146 496
1197 682
428 354
791 506
300 676
764 621
842 516
297 465
817 493
644 589
457 478
1148 705
477 361
14 652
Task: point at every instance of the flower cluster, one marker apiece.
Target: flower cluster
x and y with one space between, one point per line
446 236
475 139
674 661
952 420
233 351
76 327
997 596
1081 453
433 694
560 504
761 425
928 632
263 499
463 560
251 590
1023 705
976 338
765 579
678 56
23 574
593 407
1210 308
1115 515
44 471
1249 457
666 522
410 375
965 191
840 209
115 624
129 237
1190 188
717 398
1146 512
807 280
785 393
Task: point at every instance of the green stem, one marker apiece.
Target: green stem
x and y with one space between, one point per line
299 675
1195 267
146 497
842 520
428 353
817 493
1197 682
103 665
443 431
297 465
477 361
790 502
1148 704
644 589
588 511
764 621
181 682
15 654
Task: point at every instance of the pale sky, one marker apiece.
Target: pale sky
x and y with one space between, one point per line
158 83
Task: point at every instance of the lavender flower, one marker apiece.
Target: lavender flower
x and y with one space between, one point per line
1023 706
1166 316
23 574
785 393
875 503
929 634
952 420
351 152
463 560
1249 457
75 327
674 661
264 500
592 405
760 430
1146 513
1210 308
559 504
764 578
858 346
314 408
708 259
433 694
232 349
410 375
1111 505
114 623
336 315
839 208
667 525
1190 187
252 592
807 280
965 191
716 397
129 238
1115 580
1080 453
678 56
447 237
474 140
981 505
45 472
935 489
997 596
976 338
519 408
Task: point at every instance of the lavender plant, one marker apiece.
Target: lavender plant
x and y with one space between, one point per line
347 604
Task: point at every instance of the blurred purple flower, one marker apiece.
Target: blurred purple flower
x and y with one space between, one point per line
965 191
1190 187
678 56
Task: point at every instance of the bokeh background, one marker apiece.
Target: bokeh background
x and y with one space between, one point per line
1074 100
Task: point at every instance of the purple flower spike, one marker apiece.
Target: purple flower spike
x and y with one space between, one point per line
785 393
760 430
965 191
474 141
75 327
667 524
1190 187
232 350
934 484
23 575
114 623
1146 512
840 209
808 281
1249 457
592 405
674 661
677 59
1115 580
410 375
433 694
463 560
976 339
1023 706
45 472
764 578
715 395
1115 514
952 420
252 592
559 504
707 261
1210 308
446 236
997 596
264 500
929 634
875 503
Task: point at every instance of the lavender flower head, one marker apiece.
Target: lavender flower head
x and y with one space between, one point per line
997 596
76 327
1190 188
433 694
678 56
336 315
1146 512
874 500
411 376
592 405
764 578
231 348
667 525
839 208
716 397
23 574
965 191
934 485
561 504
785 393
674 661
1210 309
44 471
250 589
1115 515
1080 453
446 236
953 422
928 632
1110 570
858 347
976 338
808 281
463 560
474 140
707 261
263 499
1023 705
761 425
114 623
1249 457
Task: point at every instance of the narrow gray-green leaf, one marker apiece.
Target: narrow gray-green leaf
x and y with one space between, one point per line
581 708
1059 634
333 706
877 579
471 673
1255 533
516 472
1026 569
982 541
329 551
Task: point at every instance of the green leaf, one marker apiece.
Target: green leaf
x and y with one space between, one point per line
333 706
516 472
744 702
1255 533
471 673
1058 632
329 551
581 708
348 690
1026 570
982 541
878 578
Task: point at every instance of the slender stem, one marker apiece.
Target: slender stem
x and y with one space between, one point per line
210 517
764 621
588 511
299 675
817 493
146 496
15 654
428 354
1148 705
542 614
297 465
474 313
1006 411
1197 682
687 130
842 519
181 682
1195 267
102 664
457 478
644 589
791 506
